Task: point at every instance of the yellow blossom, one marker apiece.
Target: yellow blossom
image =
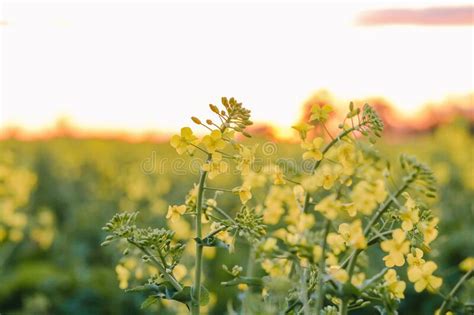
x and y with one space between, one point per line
254 179
395 287
242 287
467 264
270 244
331 259
336 243
329 206
302 129
214 141
216 166
409 213
346 156
416 259
365 196
223 235
423 277
245 159
338 274
313 149
317 253
244 193
397 247
185 142
275 268
429 230
175 212
358 279
320 113
179 271
123 274
353 234
326 176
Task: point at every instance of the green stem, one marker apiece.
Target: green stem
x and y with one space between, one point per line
219 189
196 290
322 266
451 294
160 267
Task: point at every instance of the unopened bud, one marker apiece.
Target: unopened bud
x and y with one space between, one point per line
196 120
214 108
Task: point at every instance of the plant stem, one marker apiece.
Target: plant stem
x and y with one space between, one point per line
451 294
196 290
322 266
160 267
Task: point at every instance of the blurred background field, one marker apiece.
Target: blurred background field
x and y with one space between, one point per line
57 192
120 77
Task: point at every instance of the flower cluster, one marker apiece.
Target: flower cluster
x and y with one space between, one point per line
308 235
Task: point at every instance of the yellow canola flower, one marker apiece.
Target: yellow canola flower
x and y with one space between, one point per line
254 179
423 277
365 196
429 229
338 273
216 166
214 141
270 244
175 212
223 235
280 267
184 142
395 287
397 247
244 193
329 206
467 264
123 274
302 129
317 253
327 176
313 149
320 113
409 214
353 234
347 157
336 242
358 279
416 259
180 271
245 159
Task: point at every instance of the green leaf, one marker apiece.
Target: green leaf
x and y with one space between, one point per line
211 242
150 300
185 296
204 299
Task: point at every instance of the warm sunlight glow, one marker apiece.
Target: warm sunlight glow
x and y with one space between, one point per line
125 66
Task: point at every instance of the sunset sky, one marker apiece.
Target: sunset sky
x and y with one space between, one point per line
152 65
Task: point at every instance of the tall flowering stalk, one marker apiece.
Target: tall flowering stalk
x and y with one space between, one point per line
308 233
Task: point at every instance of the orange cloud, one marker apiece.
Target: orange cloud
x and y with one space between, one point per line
434 16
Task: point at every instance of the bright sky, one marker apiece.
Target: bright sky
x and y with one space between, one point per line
153 65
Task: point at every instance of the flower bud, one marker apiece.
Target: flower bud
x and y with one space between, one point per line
214 108
196 120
